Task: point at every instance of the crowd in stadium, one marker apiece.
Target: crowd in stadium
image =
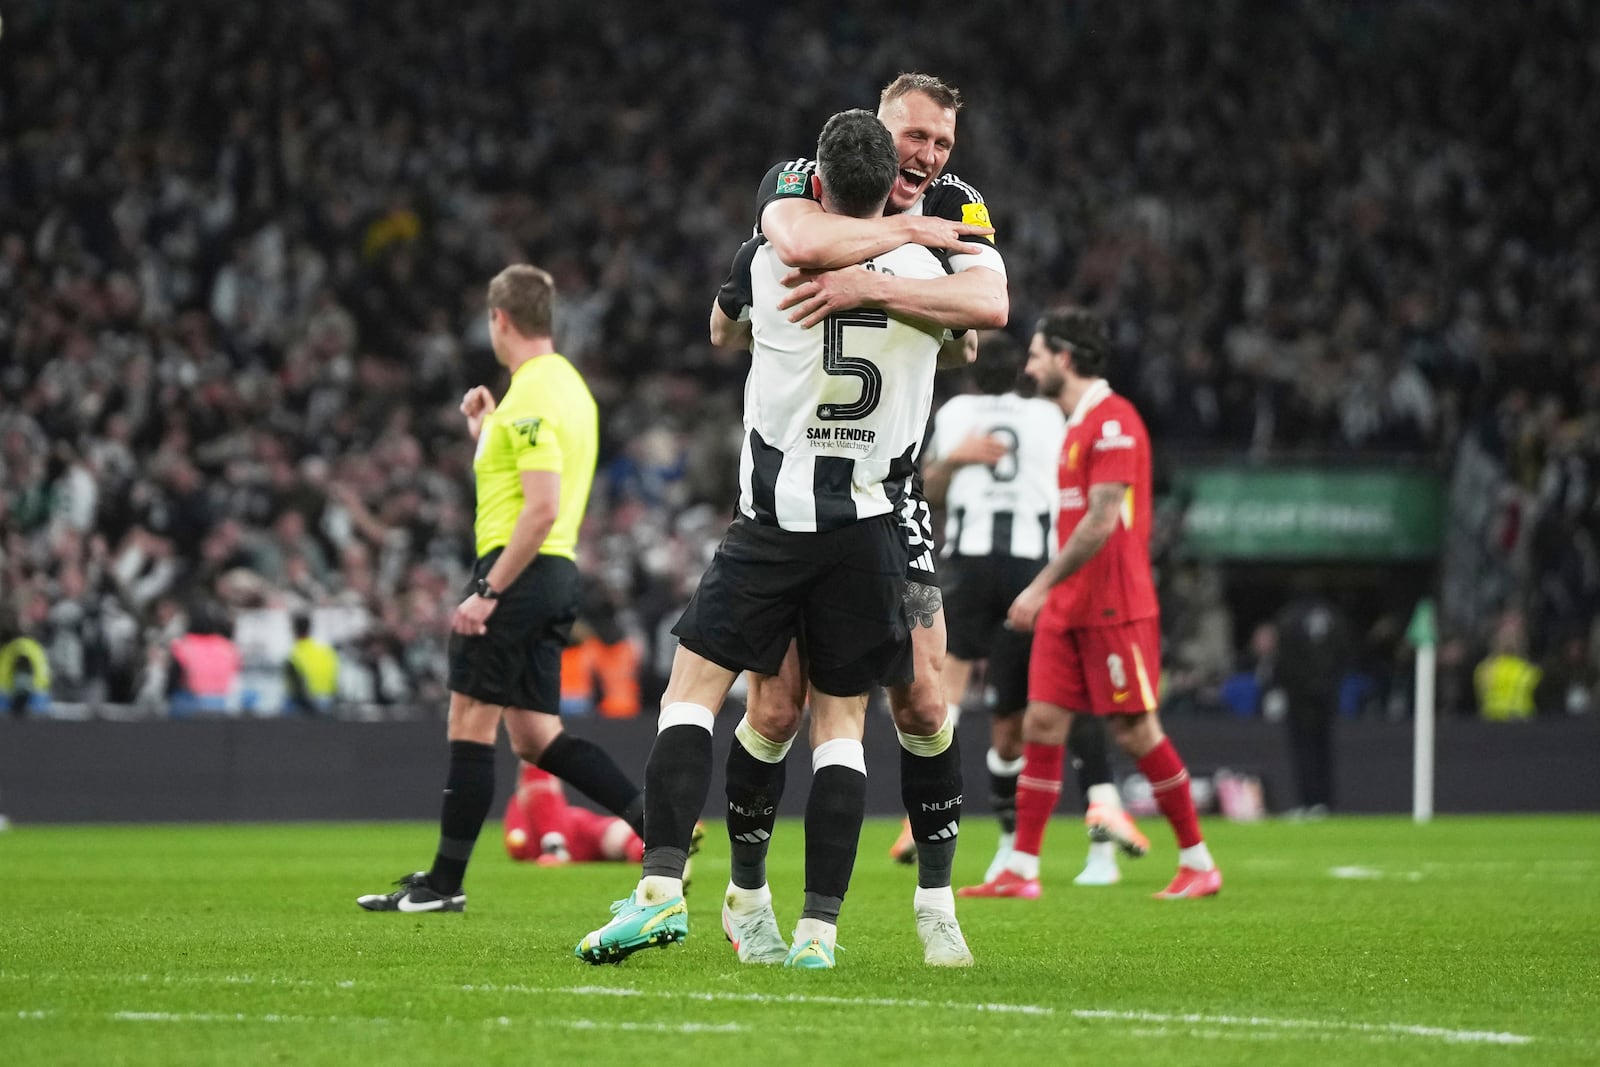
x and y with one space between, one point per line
243 252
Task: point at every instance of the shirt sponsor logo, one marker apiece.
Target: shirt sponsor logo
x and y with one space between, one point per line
1112 437
1071 499
977 215
528 429
846 437
791 183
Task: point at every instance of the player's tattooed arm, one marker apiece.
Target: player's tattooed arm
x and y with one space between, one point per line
923 602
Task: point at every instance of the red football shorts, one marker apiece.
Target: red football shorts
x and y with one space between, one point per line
1105 670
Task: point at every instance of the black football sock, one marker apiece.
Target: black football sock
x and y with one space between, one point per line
930 787
754 788
676 780
1003 775
591 771
834 811
468 795
1091 759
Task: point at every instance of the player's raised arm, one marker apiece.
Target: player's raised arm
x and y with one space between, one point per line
969 300
806 236
789 215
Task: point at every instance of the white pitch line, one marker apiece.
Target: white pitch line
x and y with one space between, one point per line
1187 1019
1539 870
1463 1037
1191 1020
654 1028
338 1020
765 998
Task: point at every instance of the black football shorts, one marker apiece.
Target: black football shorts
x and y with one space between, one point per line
843 589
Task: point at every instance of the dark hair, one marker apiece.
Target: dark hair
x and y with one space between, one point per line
302 625
525 294
857 162
208 618
999 364
934 89
1081 333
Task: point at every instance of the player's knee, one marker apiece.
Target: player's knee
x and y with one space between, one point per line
1136 735
917 709
1045 724
775 719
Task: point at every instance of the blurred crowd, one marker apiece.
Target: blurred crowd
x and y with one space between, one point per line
243 252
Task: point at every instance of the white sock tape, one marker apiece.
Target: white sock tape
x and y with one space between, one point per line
683 714
839 752
762 748
1002 767
931 745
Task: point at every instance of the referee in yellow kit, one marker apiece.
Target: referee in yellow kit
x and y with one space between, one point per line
534 465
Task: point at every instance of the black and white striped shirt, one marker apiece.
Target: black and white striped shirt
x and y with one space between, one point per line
1008 509
833 415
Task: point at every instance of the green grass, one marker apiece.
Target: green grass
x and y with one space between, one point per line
1468 941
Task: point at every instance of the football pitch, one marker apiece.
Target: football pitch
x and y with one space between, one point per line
1353 941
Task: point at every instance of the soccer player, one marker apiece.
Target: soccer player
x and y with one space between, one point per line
1093 611
540 825
535 462
940 211
992 465
815 547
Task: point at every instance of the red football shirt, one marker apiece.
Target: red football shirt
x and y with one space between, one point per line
1106 442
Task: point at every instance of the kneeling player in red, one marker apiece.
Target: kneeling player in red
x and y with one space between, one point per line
542 826
1093 611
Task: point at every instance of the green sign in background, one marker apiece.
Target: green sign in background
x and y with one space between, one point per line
1311 513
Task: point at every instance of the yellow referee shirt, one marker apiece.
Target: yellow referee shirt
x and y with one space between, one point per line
547 421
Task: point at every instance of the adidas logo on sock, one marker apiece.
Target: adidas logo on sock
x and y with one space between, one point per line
946 832
754 837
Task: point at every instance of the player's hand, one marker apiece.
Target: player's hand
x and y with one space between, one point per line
477 402
471 618
477 405
979 448
1025 609
814 295
930 231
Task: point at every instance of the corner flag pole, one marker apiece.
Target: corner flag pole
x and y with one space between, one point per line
1422 635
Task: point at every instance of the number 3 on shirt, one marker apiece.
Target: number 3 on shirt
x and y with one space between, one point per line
835 362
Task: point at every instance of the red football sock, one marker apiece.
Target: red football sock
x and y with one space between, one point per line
1169 781
1038 787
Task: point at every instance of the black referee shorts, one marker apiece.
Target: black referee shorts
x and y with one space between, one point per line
518 661
978 591
843 589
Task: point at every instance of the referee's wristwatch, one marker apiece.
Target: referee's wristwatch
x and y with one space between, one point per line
487 591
